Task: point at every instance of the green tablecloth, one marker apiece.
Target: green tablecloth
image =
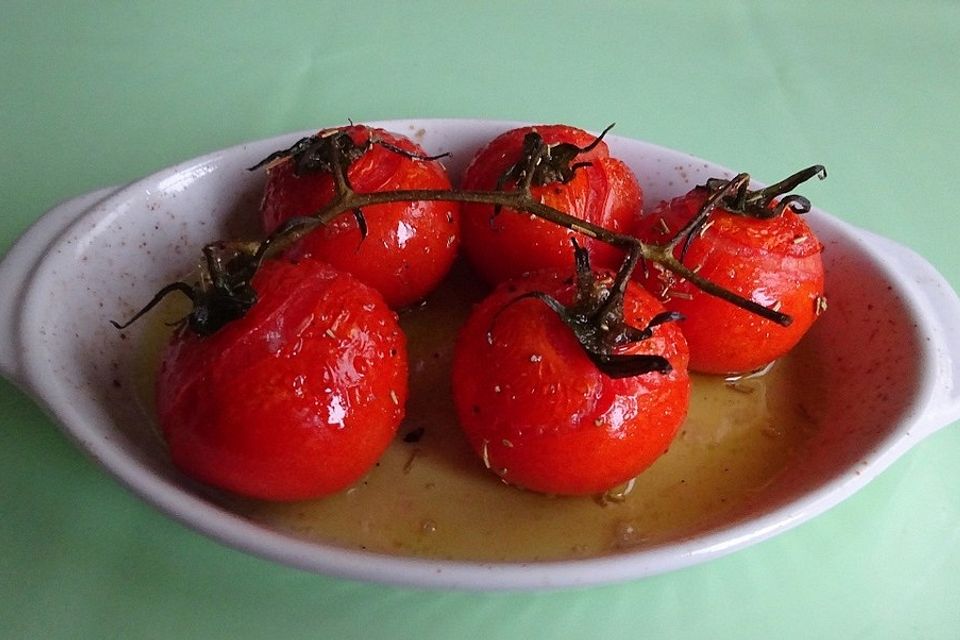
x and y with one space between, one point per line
98 94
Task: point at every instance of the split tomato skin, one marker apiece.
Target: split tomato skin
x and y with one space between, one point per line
509 244
297 399
539 412
409 247
770 261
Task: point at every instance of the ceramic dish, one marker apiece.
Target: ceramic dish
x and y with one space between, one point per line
888 348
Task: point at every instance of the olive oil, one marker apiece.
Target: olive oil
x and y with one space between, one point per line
430 495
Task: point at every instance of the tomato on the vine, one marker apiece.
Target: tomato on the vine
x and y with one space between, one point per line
296 399
773 259
541 413
585 182
401 249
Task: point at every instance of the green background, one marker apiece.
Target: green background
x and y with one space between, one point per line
98 94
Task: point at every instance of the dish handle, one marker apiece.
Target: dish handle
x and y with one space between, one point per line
16 271
941 307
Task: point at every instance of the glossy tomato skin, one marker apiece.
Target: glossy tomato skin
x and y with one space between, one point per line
506 246
409 247
538 411
769 261
297 399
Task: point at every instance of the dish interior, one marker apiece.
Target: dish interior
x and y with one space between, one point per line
747 449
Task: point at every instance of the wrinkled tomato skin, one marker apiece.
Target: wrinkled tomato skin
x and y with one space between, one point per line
409 247
541 415
297 399
510 244
767 261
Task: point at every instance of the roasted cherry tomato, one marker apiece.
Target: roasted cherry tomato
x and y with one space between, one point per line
296 399
539 411
589 185
409 246
774 261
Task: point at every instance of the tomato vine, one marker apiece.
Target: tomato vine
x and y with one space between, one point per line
223 293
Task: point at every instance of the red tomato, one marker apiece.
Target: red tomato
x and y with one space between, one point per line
296 399
604 192
774 261
409 246
541 414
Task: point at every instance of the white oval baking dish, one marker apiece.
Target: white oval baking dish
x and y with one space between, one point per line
892 335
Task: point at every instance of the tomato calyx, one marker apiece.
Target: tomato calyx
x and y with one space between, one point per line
332 151
541 164
223 292
735 197
770 201
596 318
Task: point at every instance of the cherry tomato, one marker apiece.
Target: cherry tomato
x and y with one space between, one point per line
296 399
604 191
540 413
775 262
409 246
